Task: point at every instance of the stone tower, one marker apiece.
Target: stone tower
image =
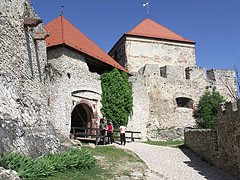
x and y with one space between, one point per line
151 43
166 83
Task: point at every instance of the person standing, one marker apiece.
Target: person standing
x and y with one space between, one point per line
103 127
122 133
112 131
109 132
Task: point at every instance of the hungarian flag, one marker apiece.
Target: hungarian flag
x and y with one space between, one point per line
146 4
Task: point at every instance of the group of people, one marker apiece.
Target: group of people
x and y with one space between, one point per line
108 129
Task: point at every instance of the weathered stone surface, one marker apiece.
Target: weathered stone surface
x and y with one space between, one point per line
140 115
201 142
166 134
134 52
155 98
24 116
76 85
223 80
8 174
23 122
32 104
220 146
33 141
166 76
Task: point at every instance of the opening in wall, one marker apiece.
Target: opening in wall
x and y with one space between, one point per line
187 72
184 102
81 119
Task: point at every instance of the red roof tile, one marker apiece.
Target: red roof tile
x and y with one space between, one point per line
64 32
149 28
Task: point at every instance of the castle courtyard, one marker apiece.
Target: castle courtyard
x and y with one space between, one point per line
175 163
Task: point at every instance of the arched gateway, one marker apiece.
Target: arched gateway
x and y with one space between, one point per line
82 117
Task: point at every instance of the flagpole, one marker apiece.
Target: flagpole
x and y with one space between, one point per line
148 9
62 8
62 11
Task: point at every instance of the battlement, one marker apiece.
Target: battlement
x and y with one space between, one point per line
191 73
221 145
229 108
219 74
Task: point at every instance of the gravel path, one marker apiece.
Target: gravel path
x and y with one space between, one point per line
176 164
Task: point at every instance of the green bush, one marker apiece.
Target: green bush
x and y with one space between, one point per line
117 101
48 165
207 108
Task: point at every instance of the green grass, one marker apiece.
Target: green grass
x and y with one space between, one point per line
165 143
47 165
110 166
113 154
84 174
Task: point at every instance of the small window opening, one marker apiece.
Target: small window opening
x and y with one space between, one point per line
69 75
187 72
184 102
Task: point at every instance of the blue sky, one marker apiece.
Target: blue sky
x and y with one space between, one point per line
213 24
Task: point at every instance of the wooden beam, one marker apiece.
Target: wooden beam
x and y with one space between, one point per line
41 36
30 22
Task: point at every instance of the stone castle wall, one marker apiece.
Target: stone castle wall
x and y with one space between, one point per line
24 122
21 55
140 116
223 80
75 85
220 146
134 52
163 116
166 77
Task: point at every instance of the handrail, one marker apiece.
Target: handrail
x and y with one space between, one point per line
97 135
83 128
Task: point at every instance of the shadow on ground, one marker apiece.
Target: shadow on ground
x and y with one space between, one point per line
202 167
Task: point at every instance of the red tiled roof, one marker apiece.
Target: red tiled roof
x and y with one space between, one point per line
149 28
64 32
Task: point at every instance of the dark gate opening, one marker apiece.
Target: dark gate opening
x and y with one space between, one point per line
81 117
184 102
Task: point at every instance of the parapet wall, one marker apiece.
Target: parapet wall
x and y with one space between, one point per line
223 79
192 73
203 144
220 146
164 98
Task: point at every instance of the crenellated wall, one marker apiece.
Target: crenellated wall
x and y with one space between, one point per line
220 146
165 90
222 80
167 83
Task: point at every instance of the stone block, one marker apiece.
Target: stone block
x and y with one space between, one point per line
150 69
195 73
173 72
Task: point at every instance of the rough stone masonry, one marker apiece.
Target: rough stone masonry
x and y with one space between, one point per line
219 146
24 116
167 84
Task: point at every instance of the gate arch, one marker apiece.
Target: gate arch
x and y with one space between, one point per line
83 116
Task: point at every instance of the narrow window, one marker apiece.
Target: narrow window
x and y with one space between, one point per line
187 72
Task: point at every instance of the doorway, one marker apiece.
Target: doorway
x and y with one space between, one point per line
81 118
